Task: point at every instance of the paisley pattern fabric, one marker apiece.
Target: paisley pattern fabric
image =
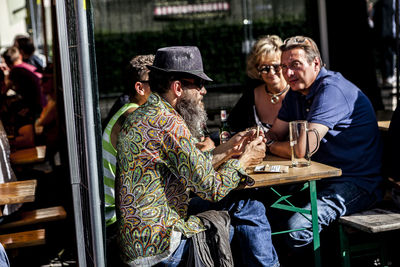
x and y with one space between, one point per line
158 165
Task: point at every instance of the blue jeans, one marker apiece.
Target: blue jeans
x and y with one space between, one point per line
333 200
176 258
250 230
3 257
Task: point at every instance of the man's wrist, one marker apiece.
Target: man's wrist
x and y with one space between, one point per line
269 143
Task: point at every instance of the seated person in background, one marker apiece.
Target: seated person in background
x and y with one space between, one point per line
259 106
125 97
20 100
18 122
121 100
348 131
46 125
137 76
24 80
27 50
159 165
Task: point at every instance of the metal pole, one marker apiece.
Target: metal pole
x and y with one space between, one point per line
90 134
45 48
250 16
33 22
71 130
244 11
397 45
247 27
323 32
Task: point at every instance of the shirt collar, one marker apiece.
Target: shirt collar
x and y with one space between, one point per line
157 100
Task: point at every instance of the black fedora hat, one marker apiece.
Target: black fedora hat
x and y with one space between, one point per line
179 59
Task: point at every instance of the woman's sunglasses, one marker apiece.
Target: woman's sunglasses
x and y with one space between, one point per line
265 69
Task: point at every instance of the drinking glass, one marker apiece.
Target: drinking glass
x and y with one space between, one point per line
300 143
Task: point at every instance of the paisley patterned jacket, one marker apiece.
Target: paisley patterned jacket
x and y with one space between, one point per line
158 165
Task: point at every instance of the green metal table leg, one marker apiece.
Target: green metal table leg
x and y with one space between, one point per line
384 256
315 226
344 247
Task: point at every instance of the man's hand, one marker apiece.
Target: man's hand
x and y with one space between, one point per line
240 140
205 144
234 147
4 68
254 152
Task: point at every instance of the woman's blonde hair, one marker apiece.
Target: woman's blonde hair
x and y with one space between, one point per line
265 45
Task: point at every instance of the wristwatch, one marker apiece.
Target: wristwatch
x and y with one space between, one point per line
270 142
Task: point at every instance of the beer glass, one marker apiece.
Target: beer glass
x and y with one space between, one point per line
300 144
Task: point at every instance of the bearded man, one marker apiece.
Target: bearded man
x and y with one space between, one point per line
159 165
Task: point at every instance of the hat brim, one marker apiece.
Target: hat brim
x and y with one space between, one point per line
200 74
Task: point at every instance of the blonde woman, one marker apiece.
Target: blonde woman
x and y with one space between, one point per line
259 106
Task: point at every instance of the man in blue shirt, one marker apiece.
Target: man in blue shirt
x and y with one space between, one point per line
349 135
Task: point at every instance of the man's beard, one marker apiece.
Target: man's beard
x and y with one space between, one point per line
193 114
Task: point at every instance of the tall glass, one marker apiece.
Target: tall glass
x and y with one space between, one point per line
300 143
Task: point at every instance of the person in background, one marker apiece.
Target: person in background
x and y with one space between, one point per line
259 106
27 50
46 126
137 86
370 13
21 100
138 80
125 97
349 138
24 79
158 165
385 29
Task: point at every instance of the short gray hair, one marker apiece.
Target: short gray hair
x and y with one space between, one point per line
305 43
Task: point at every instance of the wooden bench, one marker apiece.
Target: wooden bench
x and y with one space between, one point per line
378 222
373 221
28 155
36 216
23 239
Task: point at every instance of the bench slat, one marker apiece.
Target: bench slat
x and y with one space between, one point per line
373 221
37 216
23 239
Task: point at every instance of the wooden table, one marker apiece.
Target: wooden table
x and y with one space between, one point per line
316 171
17 192
28 155
307 175
383 125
